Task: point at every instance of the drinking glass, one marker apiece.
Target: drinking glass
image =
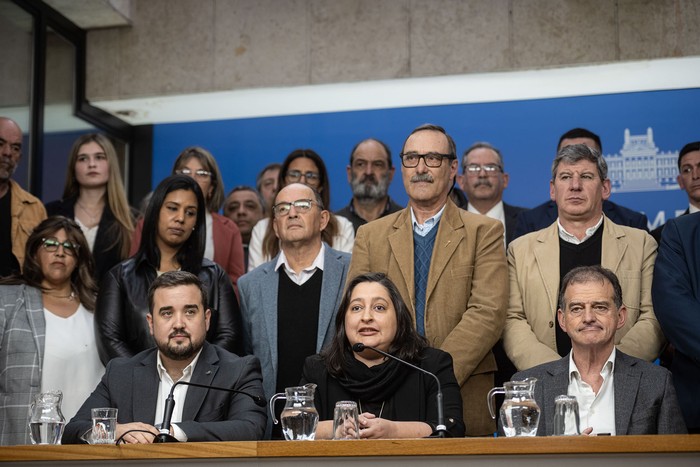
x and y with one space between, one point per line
345 421
104 425
566 418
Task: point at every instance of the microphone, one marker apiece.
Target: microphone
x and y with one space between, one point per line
165 436
440 429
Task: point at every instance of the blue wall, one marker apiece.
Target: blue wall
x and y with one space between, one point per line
525 131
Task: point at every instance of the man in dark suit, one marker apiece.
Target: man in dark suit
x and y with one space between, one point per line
688 181
676 295
138 386
546 213
617 394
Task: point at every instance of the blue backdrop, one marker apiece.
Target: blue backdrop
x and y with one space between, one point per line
526 131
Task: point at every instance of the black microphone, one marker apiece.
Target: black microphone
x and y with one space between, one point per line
165 436
440 429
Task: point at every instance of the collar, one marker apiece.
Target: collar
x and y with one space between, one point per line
496 212
319 261
692 208
387 207
429 224
607 369
567 237
186 373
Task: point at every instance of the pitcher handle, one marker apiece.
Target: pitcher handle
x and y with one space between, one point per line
273 399
490 399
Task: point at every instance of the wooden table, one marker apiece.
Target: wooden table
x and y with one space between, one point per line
636 451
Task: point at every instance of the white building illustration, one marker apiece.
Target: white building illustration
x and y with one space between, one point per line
641 167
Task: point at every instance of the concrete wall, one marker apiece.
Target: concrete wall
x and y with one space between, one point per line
188 46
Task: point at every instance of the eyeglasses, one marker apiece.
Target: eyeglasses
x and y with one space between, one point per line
488 168
301 206
431 159
198 174
312 178
52 244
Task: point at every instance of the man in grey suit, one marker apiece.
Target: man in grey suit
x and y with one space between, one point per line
289 304
138 386
617 394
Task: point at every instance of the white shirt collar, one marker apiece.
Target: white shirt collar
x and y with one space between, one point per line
427 226
607 369
305 273
692 209
567 237
186 373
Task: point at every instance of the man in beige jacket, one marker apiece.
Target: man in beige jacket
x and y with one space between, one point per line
581 236
448 264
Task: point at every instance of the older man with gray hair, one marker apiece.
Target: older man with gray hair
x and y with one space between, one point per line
581 236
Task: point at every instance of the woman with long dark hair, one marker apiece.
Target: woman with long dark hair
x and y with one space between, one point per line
173 239
394 400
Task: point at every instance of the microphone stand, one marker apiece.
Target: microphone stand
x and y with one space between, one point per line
165 436
441 428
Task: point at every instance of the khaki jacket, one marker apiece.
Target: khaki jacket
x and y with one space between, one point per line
27 212
466 297
533 264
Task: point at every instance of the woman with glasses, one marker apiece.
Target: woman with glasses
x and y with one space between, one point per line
94 197
223 244
47 338
301 166
173 239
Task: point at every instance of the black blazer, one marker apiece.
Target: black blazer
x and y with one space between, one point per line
106 240
122 306
131 386
413 401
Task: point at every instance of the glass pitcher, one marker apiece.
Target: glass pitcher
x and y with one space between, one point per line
299 417
46 421
519 413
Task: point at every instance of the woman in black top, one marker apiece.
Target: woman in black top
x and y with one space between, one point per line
173 239
394 400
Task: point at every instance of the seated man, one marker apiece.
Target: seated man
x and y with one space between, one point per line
617 394
178 323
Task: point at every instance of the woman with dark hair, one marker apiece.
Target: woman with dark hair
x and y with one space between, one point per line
94 197
301 166
394 400
173 239
223 243
47 338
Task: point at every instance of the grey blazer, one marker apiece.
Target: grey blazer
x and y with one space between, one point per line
645 399
22 333
258 291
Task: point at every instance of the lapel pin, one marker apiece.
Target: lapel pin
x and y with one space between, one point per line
208 372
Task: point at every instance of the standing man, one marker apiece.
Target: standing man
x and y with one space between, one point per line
370 173
245 207
543 215
676 293
688 180
138 386
617 394
581 236
20 212
267 182
289 304
448 264
483 180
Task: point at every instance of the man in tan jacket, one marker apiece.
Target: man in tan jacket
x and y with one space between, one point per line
581 236
448 264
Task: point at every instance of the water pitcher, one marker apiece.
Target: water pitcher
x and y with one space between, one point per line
46 421
519 413
299 417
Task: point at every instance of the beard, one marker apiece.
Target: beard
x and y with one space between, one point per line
182 351
369 189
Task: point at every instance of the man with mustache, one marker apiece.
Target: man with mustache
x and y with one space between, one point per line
617 394
448 264
289 304
138 386
483 181
20 212
370 173
581 236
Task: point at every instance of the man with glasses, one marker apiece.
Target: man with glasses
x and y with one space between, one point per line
483 180
289 304
581 236
617 394
370 173
20 212
448 264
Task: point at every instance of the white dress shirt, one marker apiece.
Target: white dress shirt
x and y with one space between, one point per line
305 273
567 237
497 212
595 410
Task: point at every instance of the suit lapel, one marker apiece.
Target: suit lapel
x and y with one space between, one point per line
145 390
614 246
204 373
37 321
401 243
331 288
269 291
450 234
626 382
546 252
222 248
556 384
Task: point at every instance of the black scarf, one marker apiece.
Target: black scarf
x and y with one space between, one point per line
372 384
